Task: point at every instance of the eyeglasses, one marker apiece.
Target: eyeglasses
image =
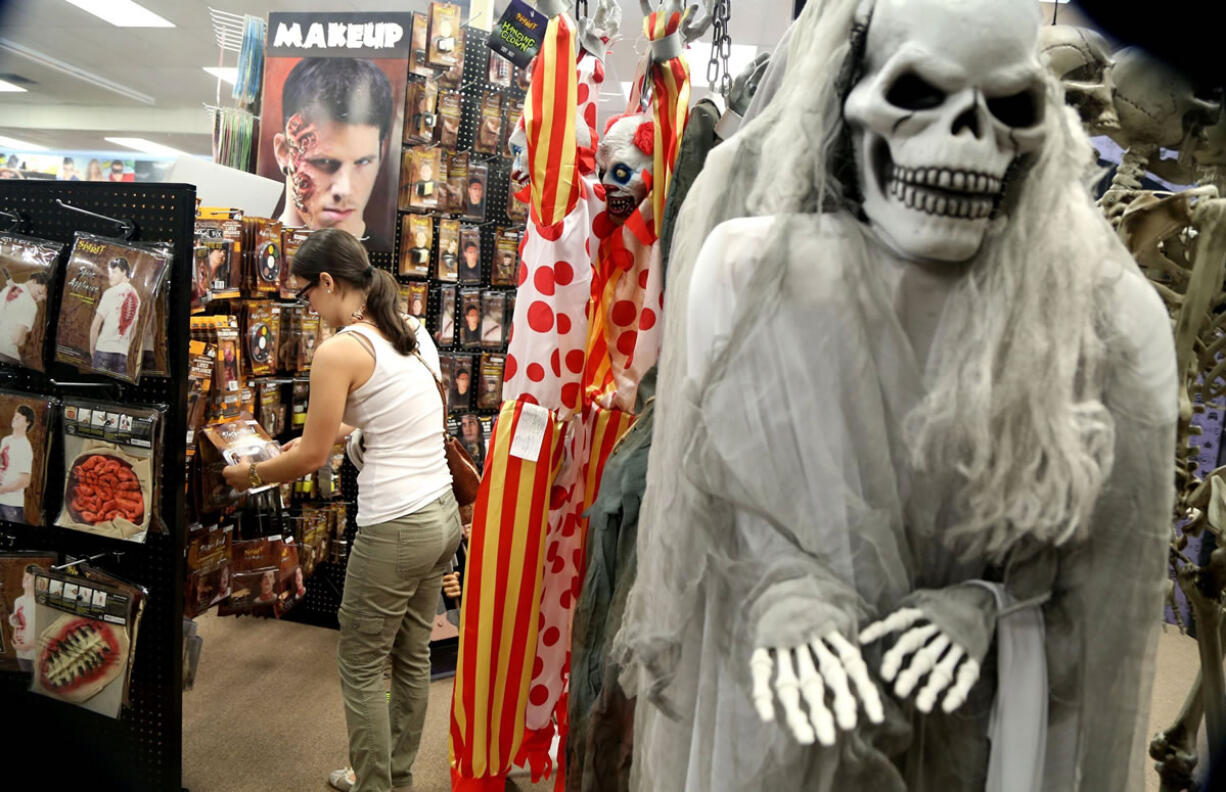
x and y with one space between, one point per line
304 294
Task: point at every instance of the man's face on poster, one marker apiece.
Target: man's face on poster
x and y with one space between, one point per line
331 172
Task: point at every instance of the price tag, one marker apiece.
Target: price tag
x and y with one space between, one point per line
530 432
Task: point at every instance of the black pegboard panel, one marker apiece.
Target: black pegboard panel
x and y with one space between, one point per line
143 749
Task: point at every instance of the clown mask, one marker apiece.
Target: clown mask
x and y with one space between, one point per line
623 160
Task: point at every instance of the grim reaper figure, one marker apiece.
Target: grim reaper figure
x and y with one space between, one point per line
905 518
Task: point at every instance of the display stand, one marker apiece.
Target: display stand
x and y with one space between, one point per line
323 598
143 749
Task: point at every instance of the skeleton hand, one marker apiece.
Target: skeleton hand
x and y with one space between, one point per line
838 662
932 652
746 84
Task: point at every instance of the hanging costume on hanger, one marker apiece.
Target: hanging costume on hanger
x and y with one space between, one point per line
813 467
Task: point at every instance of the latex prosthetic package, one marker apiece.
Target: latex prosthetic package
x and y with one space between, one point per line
444 334
208 567
418 55
461 397
493 313
470 318
445 47
24 449
421 111
271 409
450 113
453 78
448 250
416 239
490 395
155 347
18 638
261 335
108 301
470 254
489 132
29 269
425 177
232 442
111 458
86 637
418 294
137 595
474 195
266 577
506 257
219 232
457 182
500 71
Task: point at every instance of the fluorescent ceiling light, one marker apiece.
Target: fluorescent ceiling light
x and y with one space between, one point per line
226 74
73 71
8 87
147 146
122 13
19 145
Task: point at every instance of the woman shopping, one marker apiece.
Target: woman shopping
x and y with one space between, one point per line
377 374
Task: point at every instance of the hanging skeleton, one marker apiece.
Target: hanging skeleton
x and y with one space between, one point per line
1179 241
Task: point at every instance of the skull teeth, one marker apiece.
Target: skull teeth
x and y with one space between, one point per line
948 179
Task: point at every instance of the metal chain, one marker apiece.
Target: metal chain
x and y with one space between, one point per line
721 47
580 9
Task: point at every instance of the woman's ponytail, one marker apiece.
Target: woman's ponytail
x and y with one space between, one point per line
381 309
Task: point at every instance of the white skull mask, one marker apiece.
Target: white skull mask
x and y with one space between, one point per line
951 96
623 164
1080 60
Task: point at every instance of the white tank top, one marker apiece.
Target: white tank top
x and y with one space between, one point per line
401 417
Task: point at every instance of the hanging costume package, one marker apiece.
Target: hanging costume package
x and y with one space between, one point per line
474 191
29 268
85 642
262 335
470 318
208 567
453 78
266 258
266 577
24 450
470 255
457 182
220 229
461 391
420 116
155 347
418 54
109 293
231 443
418 294
493 311
110 469
490 395
137 596
416 239
18 636
422 179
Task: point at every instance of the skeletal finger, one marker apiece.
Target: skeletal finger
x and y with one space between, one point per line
836 678
760 667
814 692
900 619
921 664
939 679
908 643
968 674
789 696
858 671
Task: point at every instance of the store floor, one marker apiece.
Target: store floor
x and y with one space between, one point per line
265 714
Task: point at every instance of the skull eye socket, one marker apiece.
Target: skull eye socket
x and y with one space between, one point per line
621 174
912 92
1019 110
1090 73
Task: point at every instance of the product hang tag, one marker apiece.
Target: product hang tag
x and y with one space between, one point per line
519 34
530 432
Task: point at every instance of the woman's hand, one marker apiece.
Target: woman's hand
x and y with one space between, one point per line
451 585
285 449
238 476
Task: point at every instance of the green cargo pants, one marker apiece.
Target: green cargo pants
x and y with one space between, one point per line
392 589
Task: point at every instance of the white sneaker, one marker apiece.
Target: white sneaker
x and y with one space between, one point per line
343 779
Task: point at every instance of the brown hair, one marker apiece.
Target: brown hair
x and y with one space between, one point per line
342 256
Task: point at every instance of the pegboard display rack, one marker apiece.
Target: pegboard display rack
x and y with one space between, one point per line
143 749
323 598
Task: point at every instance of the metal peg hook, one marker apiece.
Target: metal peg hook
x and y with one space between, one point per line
17 220
128 226
61 567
